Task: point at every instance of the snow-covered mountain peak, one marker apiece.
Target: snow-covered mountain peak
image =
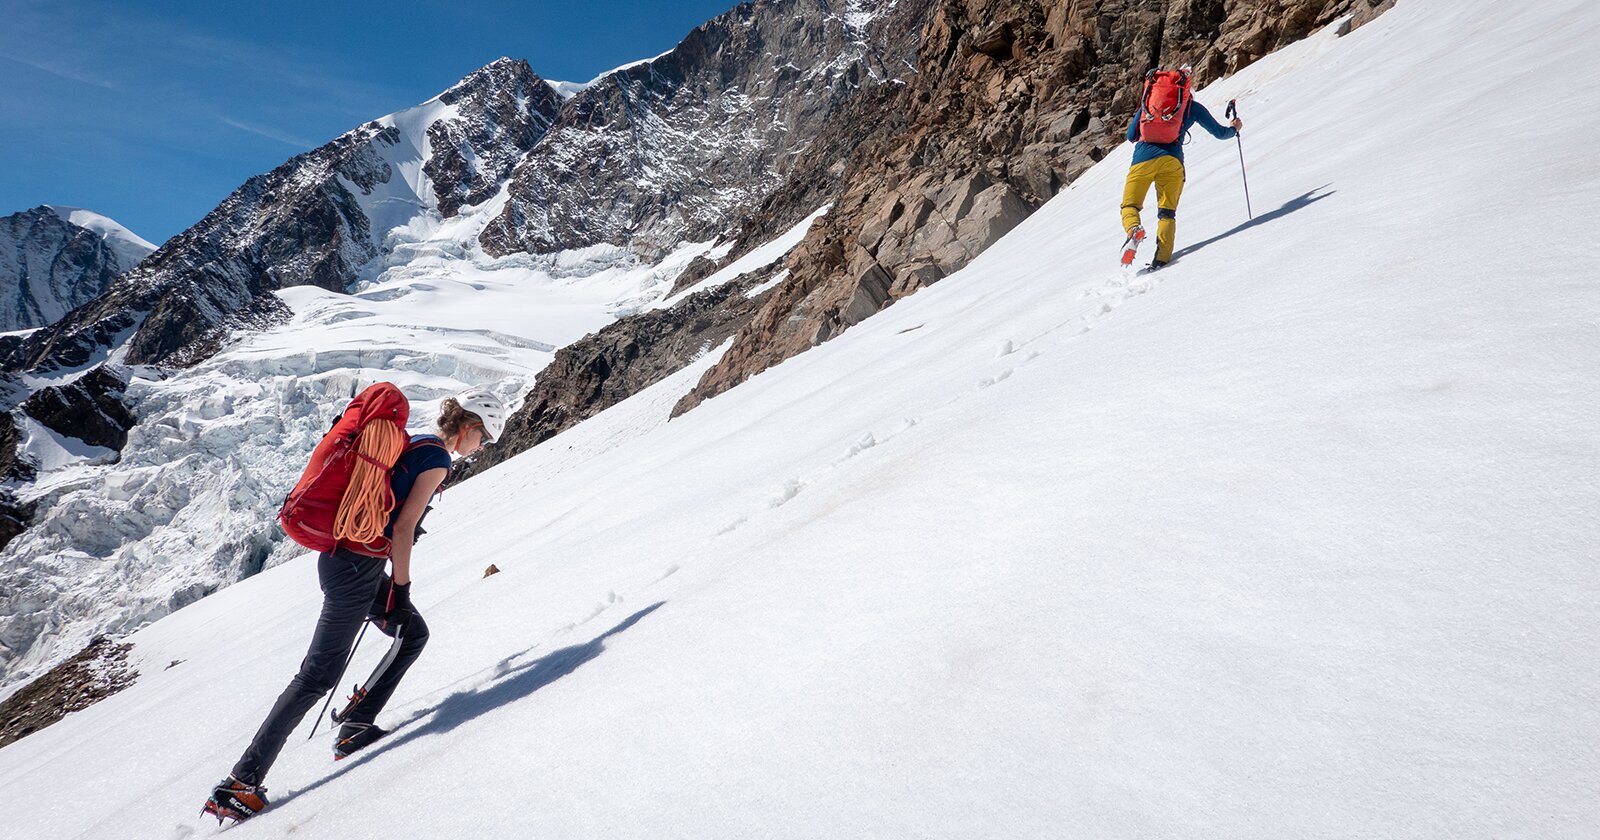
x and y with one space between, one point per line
54 258
502 71
129 247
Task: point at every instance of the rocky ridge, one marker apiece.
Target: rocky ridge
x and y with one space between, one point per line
98 671
674 148
643 159
1016 98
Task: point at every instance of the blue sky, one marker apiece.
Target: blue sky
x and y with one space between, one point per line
151 112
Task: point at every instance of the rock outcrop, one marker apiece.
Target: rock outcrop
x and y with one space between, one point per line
15 514
98 671
1014 99
90 409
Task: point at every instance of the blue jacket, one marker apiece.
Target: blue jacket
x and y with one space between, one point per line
1197 114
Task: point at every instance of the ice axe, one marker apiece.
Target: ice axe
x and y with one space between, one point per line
339 679
362 690
1233 111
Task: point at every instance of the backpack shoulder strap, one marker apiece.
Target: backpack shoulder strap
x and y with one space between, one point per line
426 440
433 440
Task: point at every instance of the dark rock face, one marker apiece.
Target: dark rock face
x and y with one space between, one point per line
606 367
1014 100
90 409
15 515
674 148
503 110
12 465
299 224
49 266
95 673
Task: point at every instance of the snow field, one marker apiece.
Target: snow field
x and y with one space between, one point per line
1291 539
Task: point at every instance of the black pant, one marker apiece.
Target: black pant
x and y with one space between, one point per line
354 588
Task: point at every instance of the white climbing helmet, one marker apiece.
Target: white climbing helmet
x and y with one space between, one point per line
487 407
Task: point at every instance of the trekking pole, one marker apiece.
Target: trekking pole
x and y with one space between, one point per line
1232 112
339 679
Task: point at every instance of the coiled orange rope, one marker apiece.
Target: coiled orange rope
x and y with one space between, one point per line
364 509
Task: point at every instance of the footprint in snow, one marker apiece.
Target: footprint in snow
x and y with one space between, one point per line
593 614
862 444
997 378
791 488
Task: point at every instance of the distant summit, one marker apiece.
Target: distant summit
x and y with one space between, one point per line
54 259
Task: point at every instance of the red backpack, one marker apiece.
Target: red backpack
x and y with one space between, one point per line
343 496
1165 104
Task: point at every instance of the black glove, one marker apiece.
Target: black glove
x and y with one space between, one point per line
398 609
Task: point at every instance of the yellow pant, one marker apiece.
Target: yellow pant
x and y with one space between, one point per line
1166 172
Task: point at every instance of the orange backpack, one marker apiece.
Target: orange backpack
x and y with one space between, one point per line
1164 106
343 496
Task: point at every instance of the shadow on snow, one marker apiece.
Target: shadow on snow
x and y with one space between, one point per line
513 684
1299 202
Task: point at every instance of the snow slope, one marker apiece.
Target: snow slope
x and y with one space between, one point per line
1293 539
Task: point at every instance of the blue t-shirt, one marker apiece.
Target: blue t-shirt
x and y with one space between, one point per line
1197 113
414 463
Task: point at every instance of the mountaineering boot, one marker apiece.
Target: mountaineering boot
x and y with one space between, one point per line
1130 246
234 800
1157 265
355 736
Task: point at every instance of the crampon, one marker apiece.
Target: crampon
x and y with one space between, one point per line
235 800
1130 246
